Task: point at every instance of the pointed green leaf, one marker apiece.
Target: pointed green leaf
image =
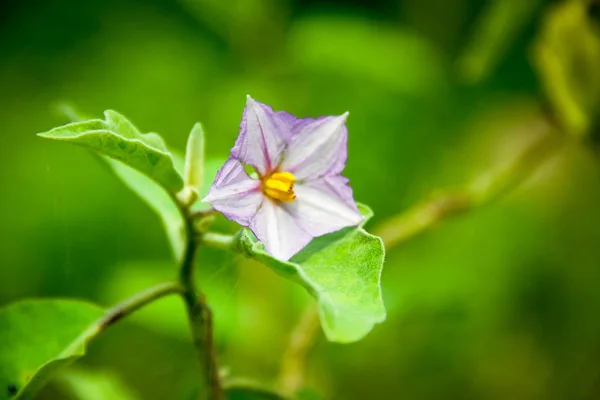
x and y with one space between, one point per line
96 385
117 138
342 271
194 158
38 338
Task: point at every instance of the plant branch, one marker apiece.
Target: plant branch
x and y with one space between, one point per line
136 302
418 219
199 315
482 191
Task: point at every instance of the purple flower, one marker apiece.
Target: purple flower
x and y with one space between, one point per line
299 193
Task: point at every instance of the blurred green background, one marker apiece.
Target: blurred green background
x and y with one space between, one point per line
499 303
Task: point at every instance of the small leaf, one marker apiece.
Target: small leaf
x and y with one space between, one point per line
194 158
38 338
117 138
87 385
342 271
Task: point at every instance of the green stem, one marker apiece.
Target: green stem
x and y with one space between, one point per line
199 316
136 302
218 240
489 187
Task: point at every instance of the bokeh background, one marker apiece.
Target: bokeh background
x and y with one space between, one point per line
501 302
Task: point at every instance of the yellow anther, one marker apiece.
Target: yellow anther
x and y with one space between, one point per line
280 186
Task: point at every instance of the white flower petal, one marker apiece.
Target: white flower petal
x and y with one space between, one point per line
318 147
234 193
324 206
279 231
263 136
234 190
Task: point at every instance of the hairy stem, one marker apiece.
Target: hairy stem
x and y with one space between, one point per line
136 302
199 317
418 219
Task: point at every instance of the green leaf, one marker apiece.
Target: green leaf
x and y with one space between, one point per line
161 202
117 138
38 338
97 385
194 158
158 199
341 270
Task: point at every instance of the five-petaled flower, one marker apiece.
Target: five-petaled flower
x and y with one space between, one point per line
299 193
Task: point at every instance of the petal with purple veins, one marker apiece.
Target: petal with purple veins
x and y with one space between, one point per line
263 136
318 148
323 206
279 231
234 193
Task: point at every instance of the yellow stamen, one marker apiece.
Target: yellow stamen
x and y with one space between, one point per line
280 186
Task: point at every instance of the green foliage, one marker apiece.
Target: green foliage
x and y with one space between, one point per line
96 385
158 199
240 22
117 138
412 66
494 32
161 202
567 56
39 337
68 229
342 270
167 316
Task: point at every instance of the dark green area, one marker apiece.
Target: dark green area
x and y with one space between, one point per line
499 303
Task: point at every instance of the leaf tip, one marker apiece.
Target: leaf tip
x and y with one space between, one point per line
194 158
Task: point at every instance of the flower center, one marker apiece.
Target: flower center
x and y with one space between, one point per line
279 186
